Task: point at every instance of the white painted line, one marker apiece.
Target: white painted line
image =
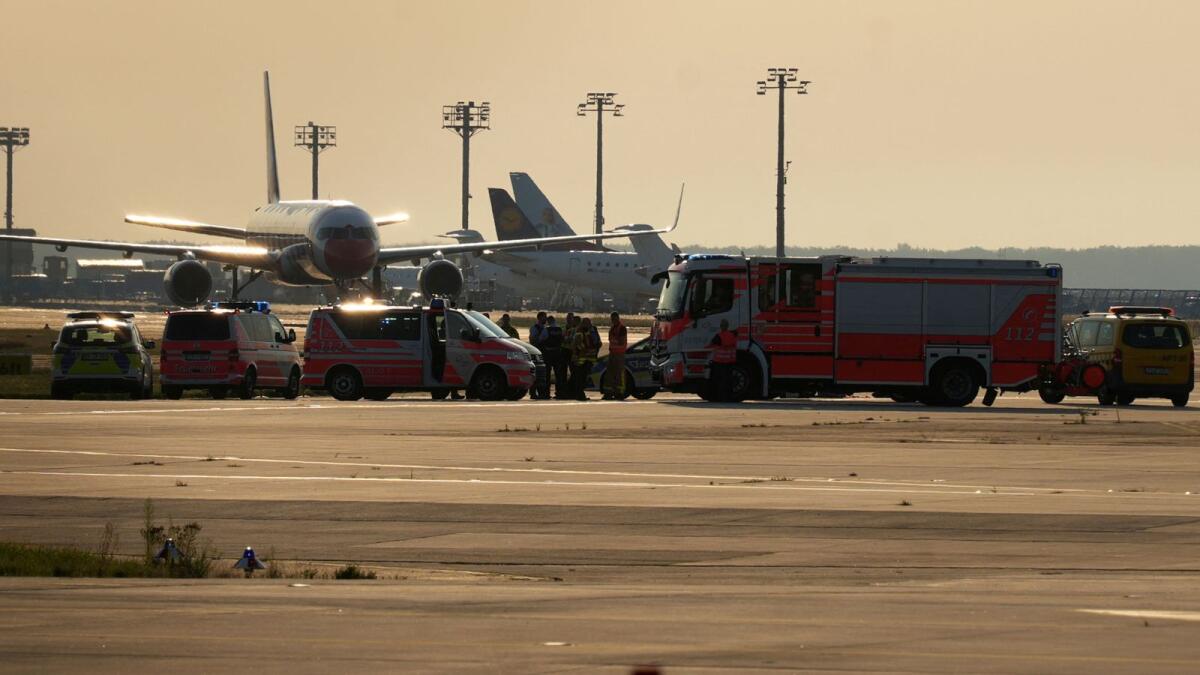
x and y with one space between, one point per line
282 406
1147 613
571 472
475 481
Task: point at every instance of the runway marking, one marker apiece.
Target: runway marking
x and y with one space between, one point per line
569 472
476 481
1147 613
310 406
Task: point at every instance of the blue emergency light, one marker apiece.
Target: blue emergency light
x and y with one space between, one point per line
251 306
437 303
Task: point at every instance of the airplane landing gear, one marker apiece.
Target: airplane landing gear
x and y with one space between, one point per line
234 288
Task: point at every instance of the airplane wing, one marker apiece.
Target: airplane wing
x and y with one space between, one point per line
246 256
391 219
187 226
415 254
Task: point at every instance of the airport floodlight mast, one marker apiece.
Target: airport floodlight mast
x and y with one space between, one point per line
596 103
466 120
781 79
12 139
315 138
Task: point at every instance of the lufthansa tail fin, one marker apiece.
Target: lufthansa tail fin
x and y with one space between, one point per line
272 168
510 222
545 218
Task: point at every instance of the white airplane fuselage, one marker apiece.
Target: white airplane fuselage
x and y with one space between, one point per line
613 272
319 241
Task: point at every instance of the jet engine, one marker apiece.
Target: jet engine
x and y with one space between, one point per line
296 267
188 283
440 279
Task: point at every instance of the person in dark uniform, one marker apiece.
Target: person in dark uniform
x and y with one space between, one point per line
556 358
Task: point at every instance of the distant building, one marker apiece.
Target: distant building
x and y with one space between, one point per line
22 252
111 269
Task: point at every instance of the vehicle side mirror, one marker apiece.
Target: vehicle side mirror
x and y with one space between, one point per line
148 344
291 336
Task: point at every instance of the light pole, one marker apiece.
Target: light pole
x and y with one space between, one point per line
12 139
781 79
466 120
315 138
596 102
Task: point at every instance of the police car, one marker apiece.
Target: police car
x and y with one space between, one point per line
101 351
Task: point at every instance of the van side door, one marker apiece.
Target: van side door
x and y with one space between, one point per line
400 333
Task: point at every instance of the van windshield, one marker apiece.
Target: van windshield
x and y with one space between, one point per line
197 326
670 299
486 325
1154 336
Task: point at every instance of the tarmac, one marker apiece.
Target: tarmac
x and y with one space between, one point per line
798 535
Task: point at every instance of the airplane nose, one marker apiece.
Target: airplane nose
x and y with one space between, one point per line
349 258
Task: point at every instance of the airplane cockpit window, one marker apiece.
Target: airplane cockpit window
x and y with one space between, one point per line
363 232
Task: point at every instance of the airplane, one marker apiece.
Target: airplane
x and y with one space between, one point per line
621 274
300 243
545 218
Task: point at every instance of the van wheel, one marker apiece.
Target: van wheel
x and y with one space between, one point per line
245 390
954 386
172 392
292 391
377 394
488 385
1052 394
1179 400
644 394
1125 399
345 384
218 392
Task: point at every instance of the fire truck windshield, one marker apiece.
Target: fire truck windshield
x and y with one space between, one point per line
670 300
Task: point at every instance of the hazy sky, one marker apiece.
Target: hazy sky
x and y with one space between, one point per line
941 124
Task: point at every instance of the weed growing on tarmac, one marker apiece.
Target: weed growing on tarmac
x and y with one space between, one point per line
180 483
151 463
904 502
353 571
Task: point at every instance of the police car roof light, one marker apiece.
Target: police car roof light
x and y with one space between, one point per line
1120 310
250 305
437 303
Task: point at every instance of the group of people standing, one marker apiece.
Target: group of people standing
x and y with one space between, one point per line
571 352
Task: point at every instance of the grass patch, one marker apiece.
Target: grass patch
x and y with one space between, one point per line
20 560
353 571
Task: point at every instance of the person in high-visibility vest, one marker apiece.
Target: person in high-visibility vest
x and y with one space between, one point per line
584 346
724 355
614 373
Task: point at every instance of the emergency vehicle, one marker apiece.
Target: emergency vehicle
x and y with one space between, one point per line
932 330
238 346
358 350
1125 354
101 351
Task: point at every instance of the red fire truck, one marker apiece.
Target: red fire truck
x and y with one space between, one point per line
929 330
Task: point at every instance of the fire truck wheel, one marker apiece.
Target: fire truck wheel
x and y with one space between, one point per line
955 386
488 385
172 392
1106 396
1052 394
1179 400
741 384
1125 399
345 384
245 390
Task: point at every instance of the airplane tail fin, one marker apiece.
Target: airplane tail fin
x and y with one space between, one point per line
510 221
272 168
537 207
651 248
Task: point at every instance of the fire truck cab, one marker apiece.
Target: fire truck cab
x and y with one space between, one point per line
371 351
916 329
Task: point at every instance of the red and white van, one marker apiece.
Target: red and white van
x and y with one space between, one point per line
373 350
237 346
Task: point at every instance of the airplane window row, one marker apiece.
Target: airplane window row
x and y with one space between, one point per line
611 264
